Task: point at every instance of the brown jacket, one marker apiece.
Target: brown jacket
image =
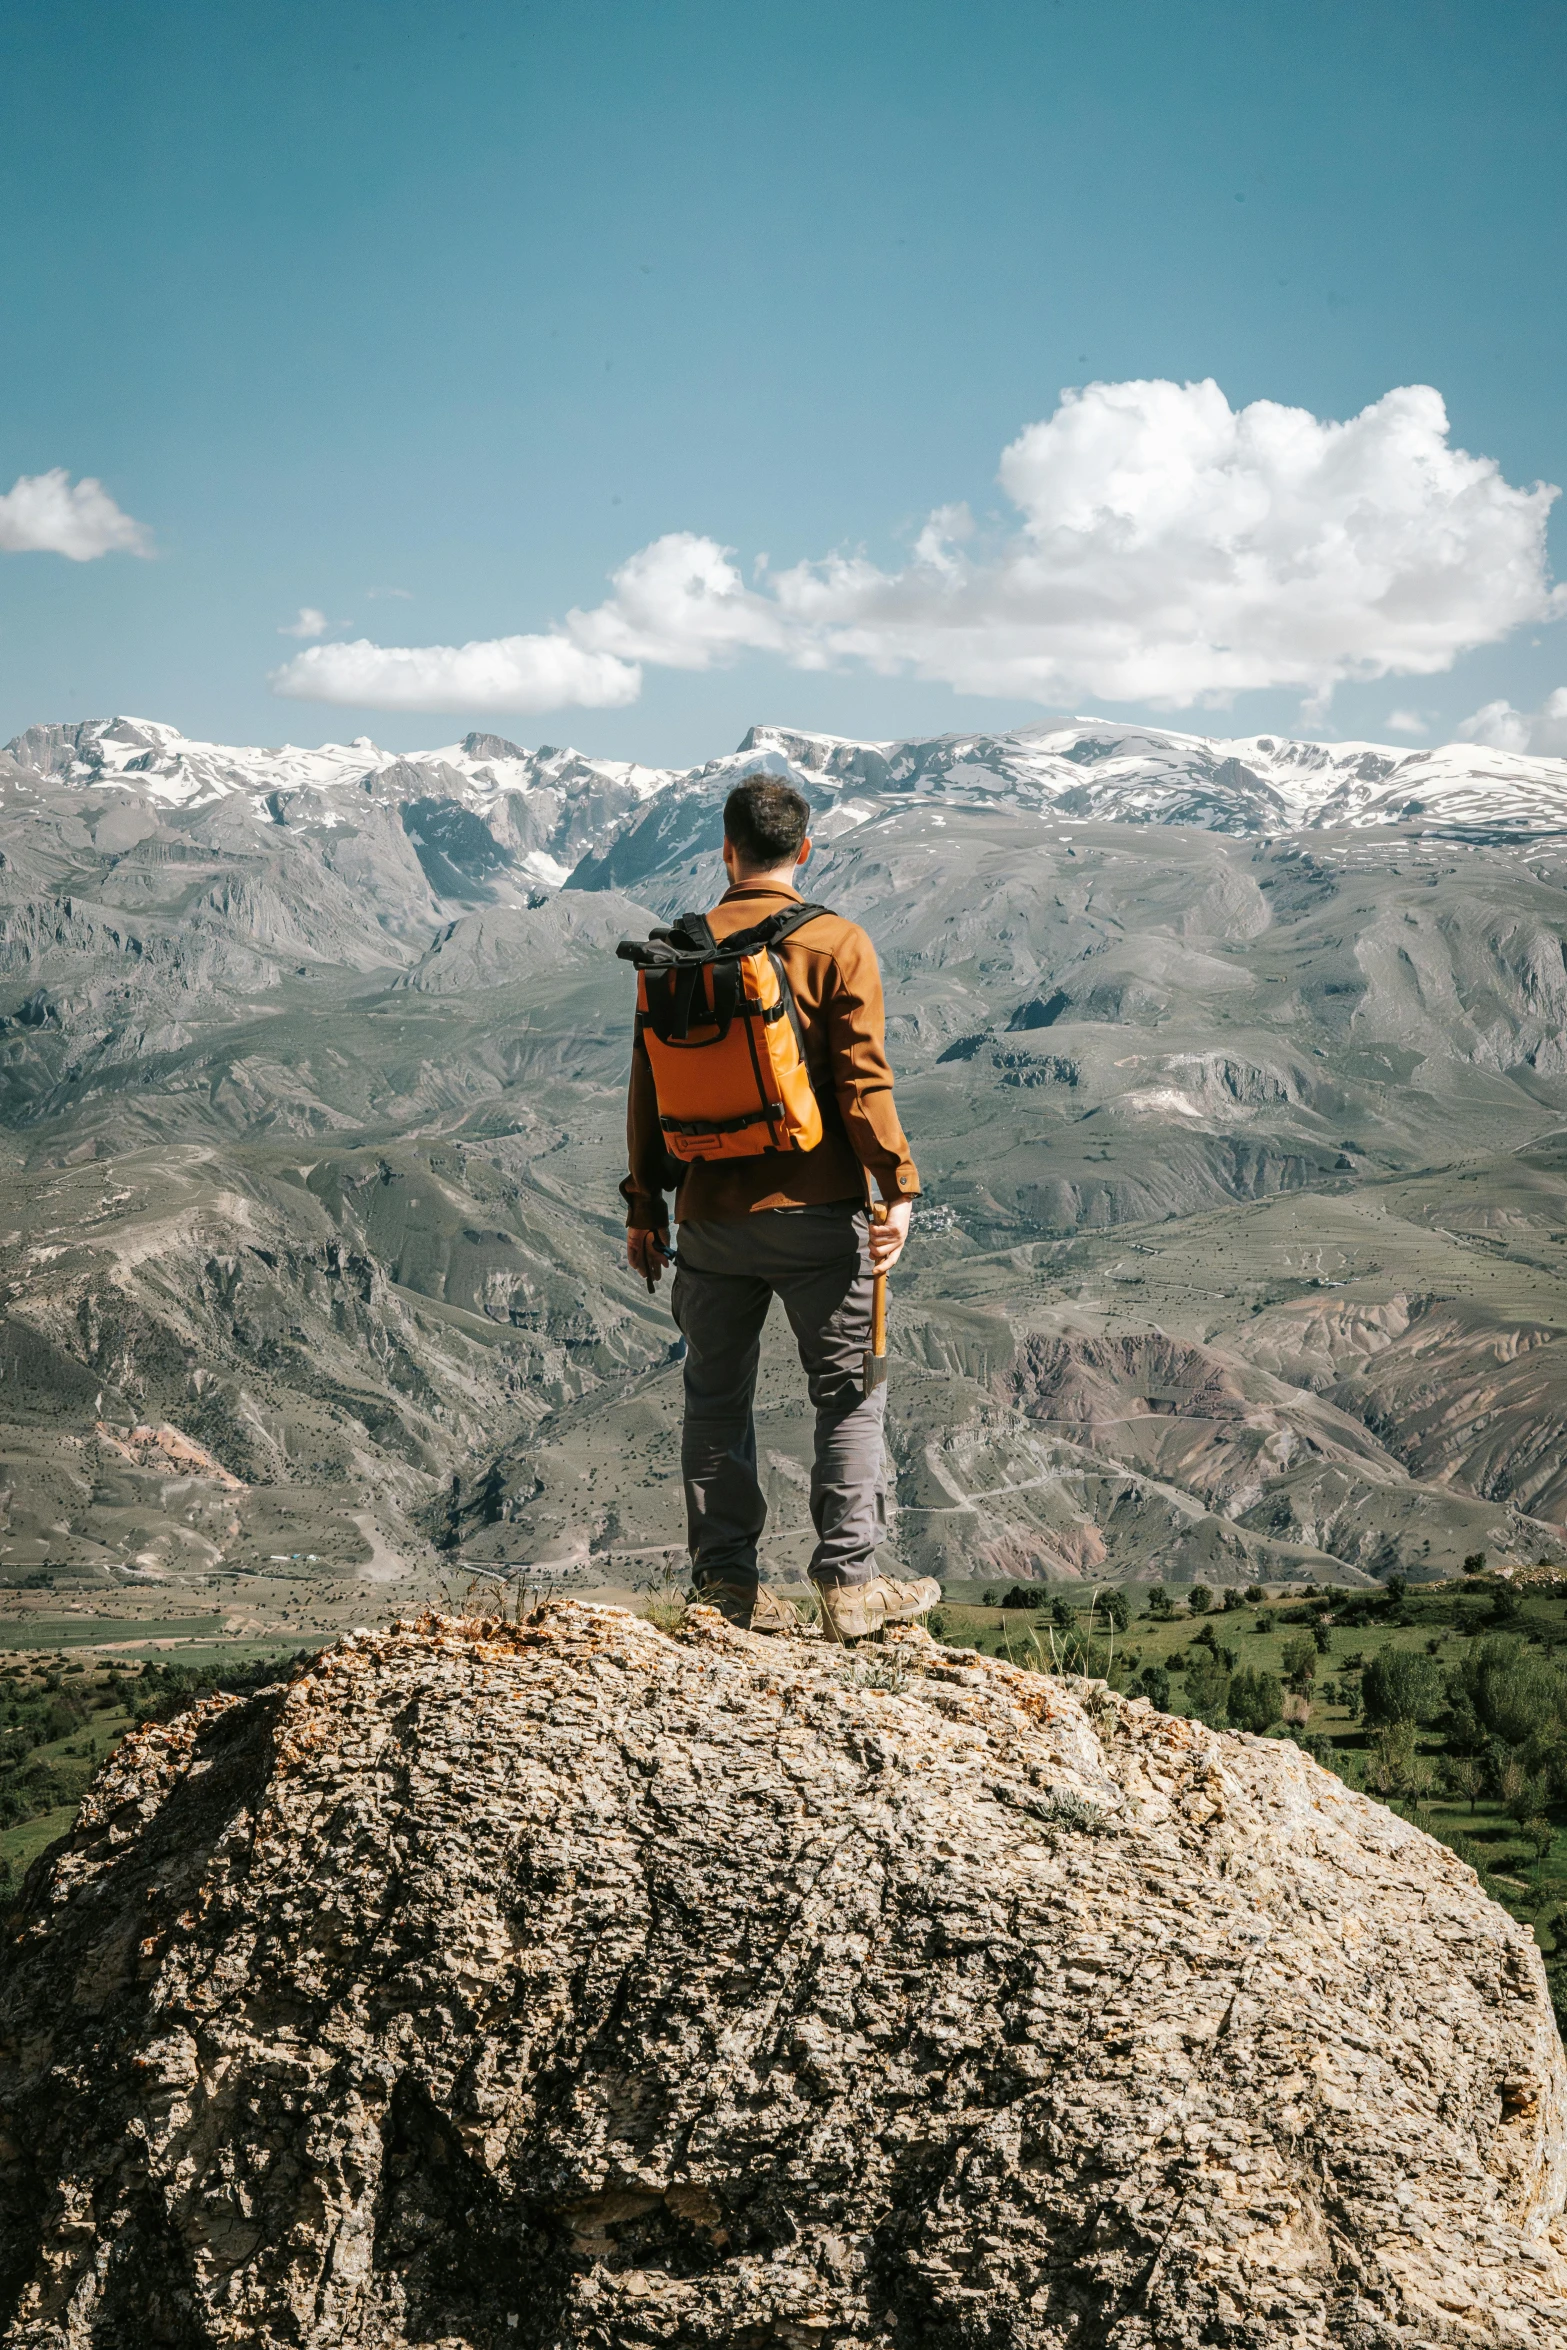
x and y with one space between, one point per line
832 969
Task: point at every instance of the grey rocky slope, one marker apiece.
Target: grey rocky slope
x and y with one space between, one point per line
1242 1250
571 1985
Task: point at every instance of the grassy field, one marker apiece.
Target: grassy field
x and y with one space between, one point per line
21 1634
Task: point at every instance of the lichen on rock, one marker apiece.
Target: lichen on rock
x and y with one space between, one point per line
575 1984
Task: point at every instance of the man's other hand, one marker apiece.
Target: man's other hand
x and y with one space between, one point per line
647 1253
887 1239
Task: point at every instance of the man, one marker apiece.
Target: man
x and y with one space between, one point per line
787 1224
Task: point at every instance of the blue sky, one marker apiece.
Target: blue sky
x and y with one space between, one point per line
426 319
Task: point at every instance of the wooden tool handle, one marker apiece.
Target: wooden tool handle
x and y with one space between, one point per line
876 1360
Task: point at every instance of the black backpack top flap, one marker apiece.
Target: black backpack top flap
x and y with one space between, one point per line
691 940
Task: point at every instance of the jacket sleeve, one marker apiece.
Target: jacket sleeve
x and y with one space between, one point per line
861 1073
643 1188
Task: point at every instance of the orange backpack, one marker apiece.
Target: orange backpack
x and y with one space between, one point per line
722 1035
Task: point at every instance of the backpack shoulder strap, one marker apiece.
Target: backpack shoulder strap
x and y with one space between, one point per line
793 918
772 931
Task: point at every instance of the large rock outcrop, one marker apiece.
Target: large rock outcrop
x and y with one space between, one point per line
575 1984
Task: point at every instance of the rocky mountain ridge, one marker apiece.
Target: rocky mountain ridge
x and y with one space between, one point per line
1241 1254
550 800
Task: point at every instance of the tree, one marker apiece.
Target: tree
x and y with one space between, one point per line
1207 1692
1506 1691
1397 1587
1396 1769
1255 1701
1063 1614
1116 1609
1233 1599
1401 1685
1255 1594
1462 1777
1154 1682
1474 1564
1299 1658
1540 1834
1159 1603
1199 1599
1322 1636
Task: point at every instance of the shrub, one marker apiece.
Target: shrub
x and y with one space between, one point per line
1401 1685
1256 1701
1255 1594
1322 1636
1207 1692
1154 1683
1199 1599
1299 1659
1265 1622
1232 1599
1474 1564
1159 1602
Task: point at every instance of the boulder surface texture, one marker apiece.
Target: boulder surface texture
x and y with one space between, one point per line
573 1983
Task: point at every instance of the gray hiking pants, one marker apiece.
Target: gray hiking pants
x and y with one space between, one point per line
818 1261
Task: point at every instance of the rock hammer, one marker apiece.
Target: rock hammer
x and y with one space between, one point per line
875 1360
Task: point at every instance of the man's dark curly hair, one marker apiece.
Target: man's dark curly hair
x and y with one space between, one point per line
766 819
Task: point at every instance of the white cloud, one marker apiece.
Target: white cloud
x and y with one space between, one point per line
310 623
48 514
1169 549
1407 722
520 673
1542 732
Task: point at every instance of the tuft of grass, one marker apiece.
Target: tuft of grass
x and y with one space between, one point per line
887 1673
1061 1809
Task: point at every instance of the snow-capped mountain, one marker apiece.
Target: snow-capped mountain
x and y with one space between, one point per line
486 815
1145 775
542 810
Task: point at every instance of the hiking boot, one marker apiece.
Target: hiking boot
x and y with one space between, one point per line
853 1611
749 1606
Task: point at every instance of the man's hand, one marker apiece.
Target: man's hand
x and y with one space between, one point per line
888 1237
647 1253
